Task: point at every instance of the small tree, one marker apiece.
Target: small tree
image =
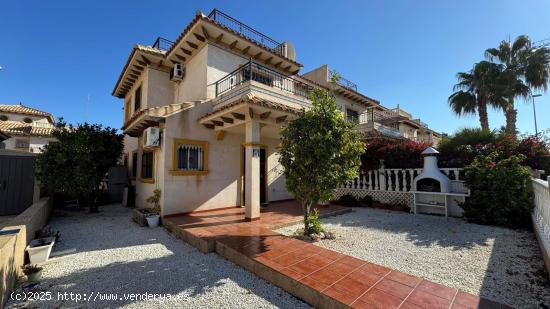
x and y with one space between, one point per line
77 163
319 151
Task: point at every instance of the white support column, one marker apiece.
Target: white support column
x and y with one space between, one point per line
252 171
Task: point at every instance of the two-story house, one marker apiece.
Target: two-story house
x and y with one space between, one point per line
25 128
203 115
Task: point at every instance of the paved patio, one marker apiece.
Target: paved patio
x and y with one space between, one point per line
322 277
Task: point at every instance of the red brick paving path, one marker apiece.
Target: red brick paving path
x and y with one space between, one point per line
348 281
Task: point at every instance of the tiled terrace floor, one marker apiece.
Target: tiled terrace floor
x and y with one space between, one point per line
322 277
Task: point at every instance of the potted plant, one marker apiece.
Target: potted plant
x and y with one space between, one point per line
153 217
39 249
33 272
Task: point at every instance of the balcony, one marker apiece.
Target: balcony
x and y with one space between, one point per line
375 122
347 84
162 43
264 83
248 32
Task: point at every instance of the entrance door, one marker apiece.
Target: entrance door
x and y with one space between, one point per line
263 176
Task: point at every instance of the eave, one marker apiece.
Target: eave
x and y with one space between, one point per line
139 59
203 30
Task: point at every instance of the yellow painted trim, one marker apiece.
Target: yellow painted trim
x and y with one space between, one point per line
220 135
152 179
187 173
182 141
254 145
127 108
263 146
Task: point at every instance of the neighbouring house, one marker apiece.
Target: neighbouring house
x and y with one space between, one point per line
3 136
376 120
25 128
202 115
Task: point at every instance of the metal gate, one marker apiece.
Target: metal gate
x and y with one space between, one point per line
16 182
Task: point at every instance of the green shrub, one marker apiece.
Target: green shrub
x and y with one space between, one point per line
501 191
396 153
313 223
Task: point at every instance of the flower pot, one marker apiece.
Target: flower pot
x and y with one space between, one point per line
153 220
39 249
34 277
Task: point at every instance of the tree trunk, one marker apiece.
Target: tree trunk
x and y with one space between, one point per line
483 117
511 114
306 207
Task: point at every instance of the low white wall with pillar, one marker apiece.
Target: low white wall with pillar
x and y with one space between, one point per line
252 171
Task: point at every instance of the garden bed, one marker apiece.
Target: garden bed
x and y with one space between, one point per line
497 263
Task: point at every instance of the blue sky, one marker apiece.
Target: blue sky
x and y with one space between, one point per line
55 54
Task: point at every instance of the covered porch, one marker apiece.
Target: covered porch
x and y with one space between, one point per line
259 121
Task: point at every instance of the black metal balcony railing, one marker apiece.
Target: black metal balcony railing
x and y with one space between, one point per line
347 84
253 71
162 43
237 26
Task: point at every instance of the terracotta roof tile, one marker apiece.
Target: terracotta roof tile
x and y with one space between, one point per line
20 128
24 110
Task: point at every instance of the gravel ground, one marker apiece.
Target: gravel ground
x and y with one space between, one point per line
114 255
497 263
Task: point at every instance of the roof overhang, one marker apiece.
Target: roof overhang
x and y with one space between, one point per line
202 30
246 109
152 117
140 57
354 95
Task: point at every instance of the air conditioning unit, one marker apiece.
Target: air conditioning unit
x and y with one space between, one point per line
151 137
177 73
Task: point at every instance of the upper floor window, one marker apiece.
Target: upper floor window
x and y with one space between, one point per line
352 115
27 120
3 118
190 157
137 99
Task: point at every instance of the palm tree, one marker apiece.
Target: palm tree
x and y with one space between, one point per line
476 90
524 69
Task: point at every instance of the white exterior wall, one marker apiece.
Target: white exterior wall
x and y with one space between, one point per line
276 182
220 63
160 90
37 142
344 103
143 82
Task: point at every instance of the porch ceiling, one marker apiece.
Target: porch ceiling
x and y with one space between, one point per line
248 108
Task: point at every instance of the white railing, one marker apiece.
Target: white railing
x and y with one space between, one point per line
395 179
541 212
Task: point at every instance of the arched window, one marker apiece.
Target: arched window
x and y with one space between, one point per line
3 118
27 120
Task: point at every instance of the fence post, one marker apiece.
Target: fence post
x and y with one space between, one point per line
382 175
